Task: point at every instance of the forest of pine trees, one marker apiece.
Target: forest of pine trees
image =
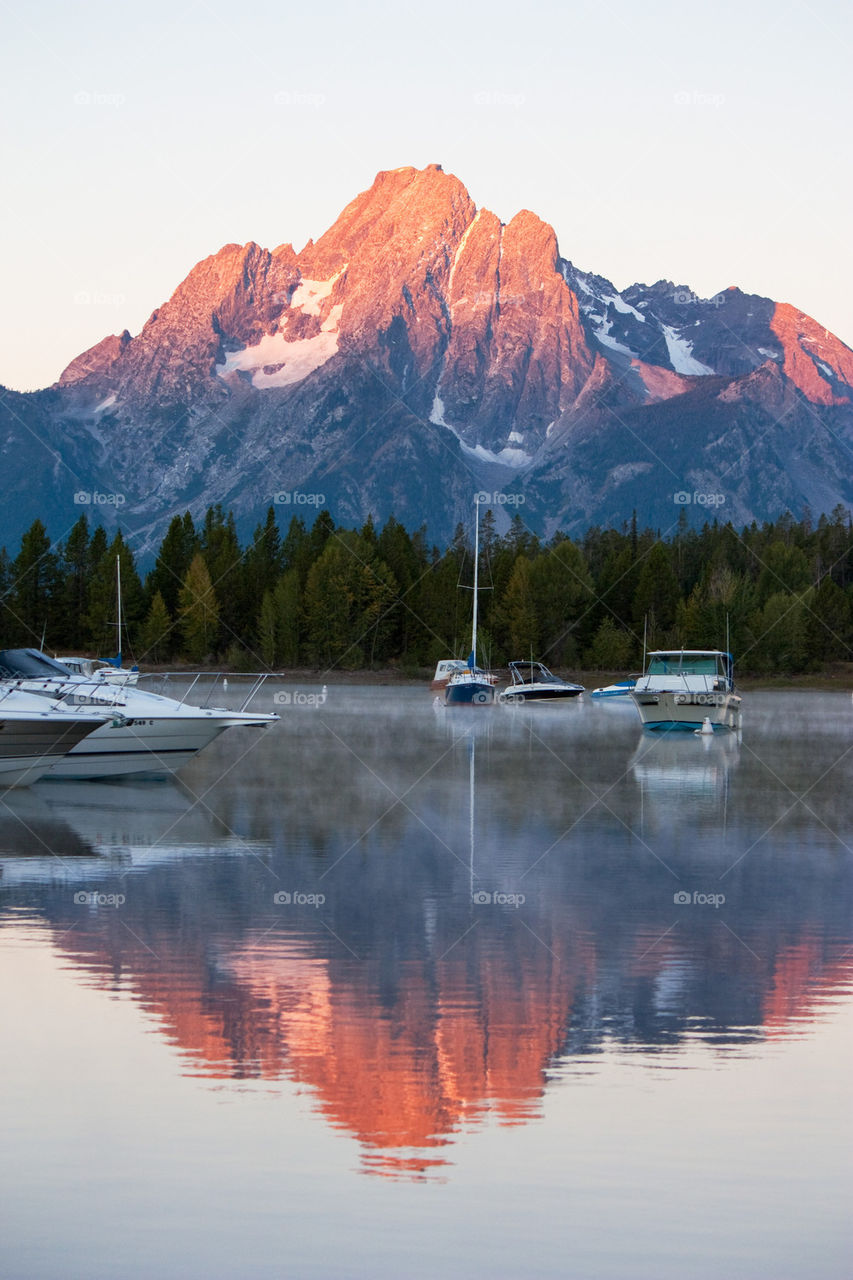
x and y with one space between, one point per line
327 597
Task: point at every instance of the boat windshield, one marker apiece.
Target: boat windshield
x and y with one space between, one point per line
29 664
530 672
687 664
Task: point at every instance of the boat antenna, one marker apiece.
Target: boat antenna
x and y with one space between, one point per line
43 634
645 628
118 594
476 576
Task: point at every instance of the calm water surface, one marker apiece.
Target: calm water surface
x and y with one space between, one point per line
391 990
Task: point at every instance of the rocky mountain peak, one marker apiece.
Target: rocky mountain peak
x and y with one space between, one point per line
420 350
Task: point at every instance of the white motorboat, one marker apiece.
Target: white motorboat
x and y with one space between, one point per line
471 686
444 669
450 666
681 688
146 732
533 682
35 737
95 669
621 689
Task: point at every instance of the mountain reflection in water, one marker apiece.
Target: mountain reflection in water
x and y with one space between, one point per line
410 1009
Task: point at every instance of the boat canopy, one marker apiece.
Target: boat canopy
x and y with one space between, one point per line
30 664
527 672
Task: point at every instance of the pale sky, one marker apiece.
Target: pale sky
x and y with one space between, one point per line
707 144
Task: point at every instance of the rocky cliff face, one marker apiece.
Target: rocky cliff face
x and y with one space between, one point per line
421 351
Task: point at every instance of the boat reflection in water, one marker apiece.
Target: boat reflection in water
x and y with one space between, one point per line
434 964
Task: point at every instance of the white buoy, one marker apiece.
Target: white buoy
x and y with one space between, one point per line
225 682
707 728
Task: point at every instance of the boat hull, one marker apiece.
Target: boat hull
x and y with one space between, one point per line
30 749
662 710
469 693
152 747
518 696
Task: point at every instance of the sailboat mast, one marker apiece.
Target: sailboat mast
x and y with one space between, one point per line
118 593
476 577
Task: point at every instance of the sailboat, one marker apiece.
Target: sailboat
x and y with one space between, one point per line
472 686
109 669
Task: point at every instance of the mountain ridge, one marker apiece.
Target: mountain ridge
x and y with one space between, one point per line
420 351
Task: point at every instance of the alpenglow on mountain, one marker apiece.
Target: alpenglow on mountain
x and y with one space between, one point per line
418 353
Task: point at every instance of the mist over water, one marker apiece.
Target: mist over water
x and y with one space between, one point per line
399 989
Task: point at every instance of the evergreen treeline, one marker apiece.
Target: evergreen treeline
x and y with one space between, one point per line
325 596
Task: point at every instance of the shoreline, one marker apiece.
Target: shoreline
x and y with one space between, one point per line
839 679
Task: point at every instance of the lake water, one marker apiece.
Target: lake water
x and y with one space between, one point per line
393 990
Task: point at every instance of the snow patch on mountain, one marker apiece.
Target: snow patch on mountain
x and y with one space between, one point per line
458 254
602 333
275 362
681 354
515 458
621 305
309 294
508 457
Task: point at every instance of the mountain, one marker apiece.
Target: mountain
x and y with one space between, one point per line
419 352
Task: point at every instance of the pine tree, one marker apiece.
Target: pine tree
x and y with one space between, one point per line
198 611
157 639
173 559
33 595
288 618
73 601
519 612
267 638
